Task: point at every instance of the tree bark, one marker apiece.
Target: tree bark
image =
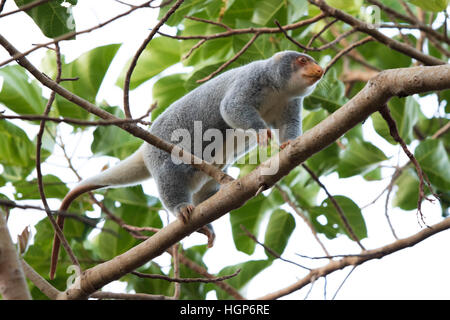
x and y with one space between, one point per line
12 281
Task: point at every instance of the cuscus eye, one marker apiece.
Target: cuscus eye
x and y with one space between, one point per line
302 60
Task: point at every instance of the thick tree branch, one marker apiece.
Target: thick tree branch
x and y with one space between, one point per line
12 280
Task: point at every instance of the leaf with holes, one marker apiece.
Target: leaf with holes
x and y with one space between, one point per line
326 219
53 18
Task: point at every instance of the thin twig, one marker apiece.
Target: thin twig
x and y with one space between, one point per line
270 250
70 35
176 270
338 208
185 280
314 37
2 5
385 113
25 7
126 85
55 225
194 47
128 296
345 51
220 24
286 198
235 57
263 30
342 283
323 47
36 117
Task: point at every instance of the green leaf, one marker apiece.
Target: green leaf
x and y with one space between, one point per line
167 90
334 224
239 10
392 59
279 230
407 193
108 245
90 68
18 93
250 216
373 175
187 8
297 9
53 187
15 146
325 161
405 112
191 82
431 5
133 196
263 11
149 286
160 54
113 141
249 270
299 185
359 157
38 253
351 6
433 159
264 47
313 118
429 127
51 17
194 290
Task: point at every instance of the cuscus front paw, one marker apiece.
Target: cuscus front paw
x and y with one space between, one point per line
183 211
285 144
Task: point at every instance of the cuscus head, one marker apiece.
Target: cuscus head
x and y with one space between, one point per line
300 71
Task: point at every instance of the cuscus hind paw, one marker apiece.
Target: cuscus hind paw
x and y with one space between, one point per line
184 211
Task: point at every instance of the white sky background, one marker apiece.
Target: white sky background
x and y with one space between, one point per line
420 272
